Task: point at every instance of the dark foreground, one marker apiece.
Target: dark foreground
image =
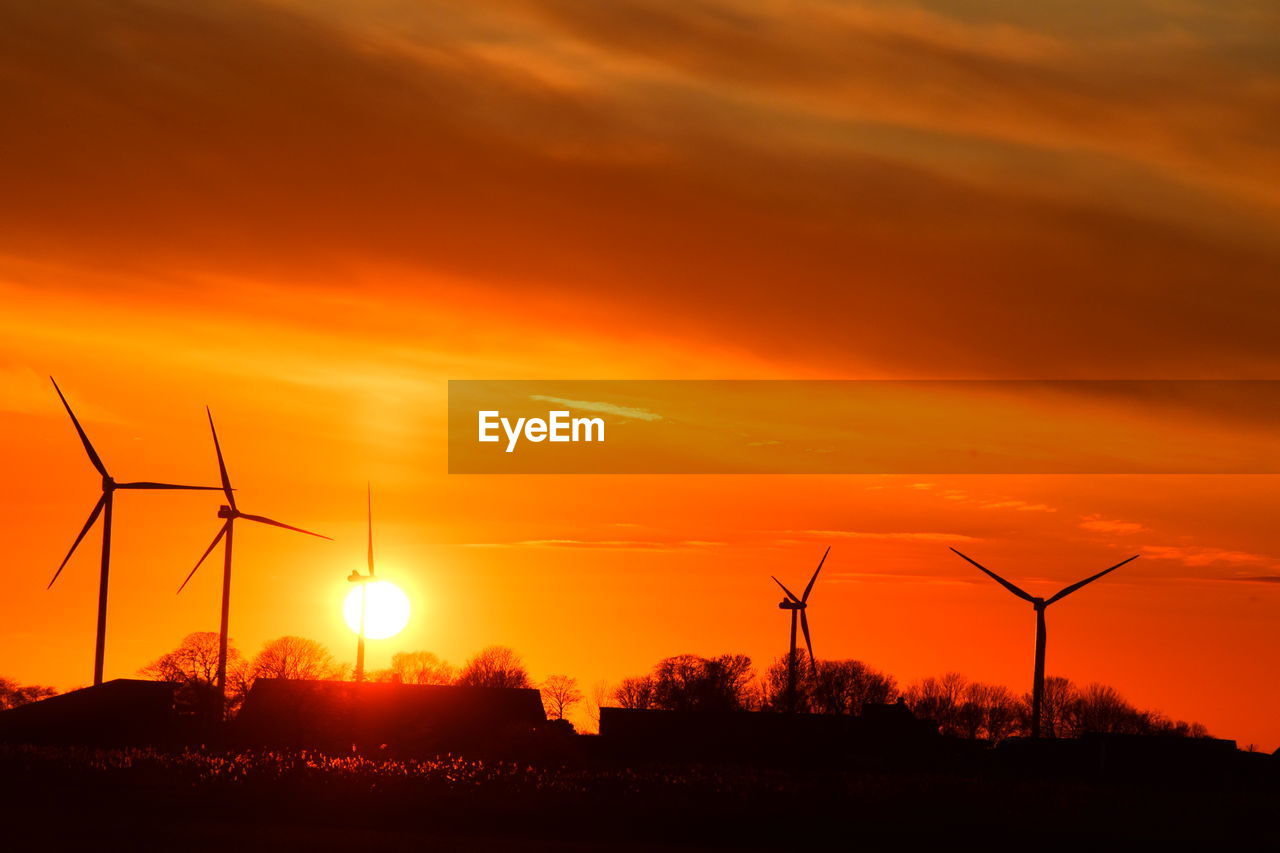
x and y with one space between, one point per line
79 798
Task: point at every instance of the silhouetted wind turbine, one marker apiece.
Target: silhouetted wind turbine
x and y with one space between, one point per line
364 581
103 507
1037 685
799 607
230 512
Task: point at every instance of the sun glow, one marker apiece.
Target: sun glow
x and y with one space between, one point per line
386 609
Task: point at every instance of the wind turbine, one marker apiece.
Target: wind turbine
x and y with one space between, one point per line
230 512
799 607
1037 685
103 507
364 581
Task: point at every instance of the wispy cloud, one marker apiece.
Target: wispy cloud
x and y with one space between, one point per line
601 544
1098 524
1191 555
1020 506
603 408
894 536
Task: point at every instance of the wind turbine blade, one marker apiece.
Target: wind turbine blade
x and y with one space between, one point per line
809 588
222 466
146 485
808 643
791 595
1067 590
1004 583
222 531
84 439
369 497
261 519
93 516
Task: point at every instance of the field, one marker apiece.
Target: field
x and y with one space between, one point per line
60 797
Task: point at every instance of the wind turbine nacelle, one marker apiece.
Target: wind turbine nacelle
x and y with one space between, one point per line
225 511
788 604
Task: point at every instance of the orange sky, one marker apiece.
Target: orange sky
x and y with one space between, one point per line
310 216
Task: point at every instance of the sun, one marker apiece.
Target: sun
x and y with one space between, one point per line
386 609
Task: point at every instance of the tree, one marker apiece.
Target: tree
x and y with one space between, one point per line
294 658
832 687
600 693
989 711
193 665
495 666
939 699
691 683
195 660
1100 708
13 694
635 693
417 668
1059 696
559 694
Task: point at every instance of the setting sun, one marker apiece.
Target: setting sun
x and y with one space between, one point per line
386 609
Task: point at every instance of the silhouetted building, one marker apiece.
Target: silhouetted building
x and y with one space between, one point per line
405 718
881 731
123 711
1124 756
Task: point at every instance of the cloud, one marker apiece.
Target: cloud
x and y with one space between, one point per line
1020 506
1204 556
888 536
1098 524
664 166
601 544
1259 579
604 408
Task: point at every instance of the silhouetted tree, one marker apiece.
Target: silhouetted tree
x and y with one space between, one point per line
559 694
194 666
989 711
600 693
1099 708
939 699
416 668
1059 695
691 683
194 660
844 686
636 692
13 694
832 687
294 657
495 666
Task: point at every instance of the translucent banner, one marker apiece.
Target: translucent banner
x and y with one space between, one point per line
864 427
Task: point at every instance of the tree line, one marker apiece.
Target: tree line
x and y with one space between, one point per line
963 708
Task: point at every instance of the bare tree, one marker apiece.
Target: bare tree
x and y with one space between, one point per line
635 693
13 694
600 694
296 658
1100 708
989 711
193 665
495 666
1060 694
691 683
939 699
194 661
559 694
417 668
